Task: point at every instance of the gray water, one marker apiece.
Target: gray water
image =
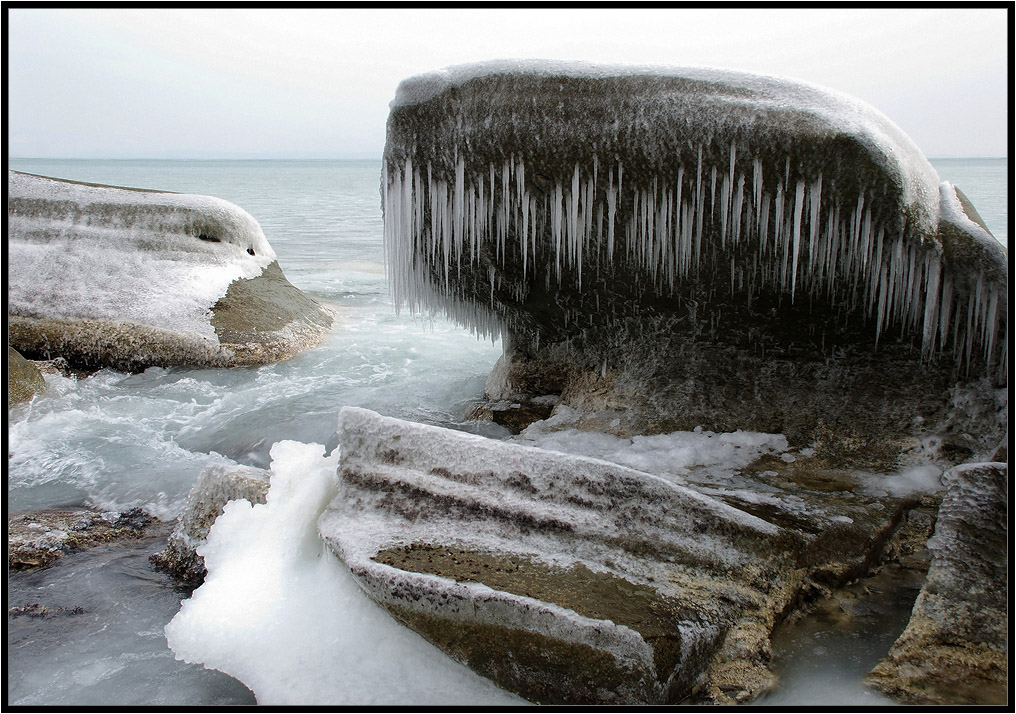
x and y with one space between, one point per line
114 441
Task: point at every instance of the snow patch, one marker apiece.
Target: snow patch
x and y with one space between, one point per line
124 255
671 455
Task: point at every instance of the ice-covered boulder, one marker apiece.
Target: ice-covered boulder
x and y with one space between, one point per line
216 486
24 379
955 649
128 278
569 579
692 247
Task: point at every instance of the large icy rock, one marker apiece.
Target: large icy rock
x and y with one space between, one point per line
128 278
693 247
955 648
573 580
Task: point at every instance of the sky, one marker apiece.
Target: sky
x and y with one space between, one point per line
195 82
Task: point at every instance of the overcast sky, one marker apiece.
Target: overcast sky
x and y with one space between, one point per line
315 83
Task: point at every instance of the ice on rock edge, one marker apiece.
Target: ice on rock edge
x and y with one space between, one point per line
147 257
753 190
279 613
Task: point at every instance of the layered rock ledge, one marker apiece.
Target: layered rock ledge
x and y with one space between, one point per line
694 247
574 580
104 276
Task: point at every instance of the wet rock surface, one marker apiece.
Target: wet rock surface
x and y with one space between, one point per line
215 487
267 319
955 647
24 379
38 538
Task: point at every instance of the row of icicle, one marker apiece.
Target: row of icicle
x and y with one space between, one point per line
799 240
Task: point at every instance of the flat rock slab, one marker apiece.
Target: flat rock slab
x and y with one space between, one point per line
37 538
104 276
955 648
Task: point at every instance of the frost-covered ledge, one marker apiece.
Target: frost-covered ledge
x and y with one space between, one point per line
128 278
569 579
694 247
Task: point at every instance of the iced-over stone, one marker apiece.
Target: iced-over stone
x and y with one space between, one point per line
693 247
105 276
574 580
955 647
216 486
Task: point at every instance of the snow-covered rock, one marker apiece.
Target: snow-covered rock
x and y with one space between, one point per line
128 278
955 647
571 579
690 246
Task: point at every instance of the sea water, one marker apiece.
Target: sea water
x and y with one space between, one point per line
114 440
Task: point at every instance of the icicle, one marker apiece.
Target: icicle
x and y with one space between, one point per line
724 210
712 194
699 210
673 232
757 186
573 222
458 211
611 211
931 303
525 233
736 213
945 312
555 228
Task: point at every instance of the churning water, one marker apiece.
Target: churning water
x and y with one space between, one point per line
115 440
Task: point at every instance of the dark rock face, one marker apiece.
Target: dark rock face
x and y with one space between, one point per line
955 648
103 276
693 248
24 380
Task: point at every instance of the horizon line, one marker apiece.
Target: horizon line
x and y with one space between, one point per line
350 157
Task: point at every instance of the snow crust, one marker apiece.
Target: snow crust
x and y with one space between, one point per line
107 253
672 455
281 614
